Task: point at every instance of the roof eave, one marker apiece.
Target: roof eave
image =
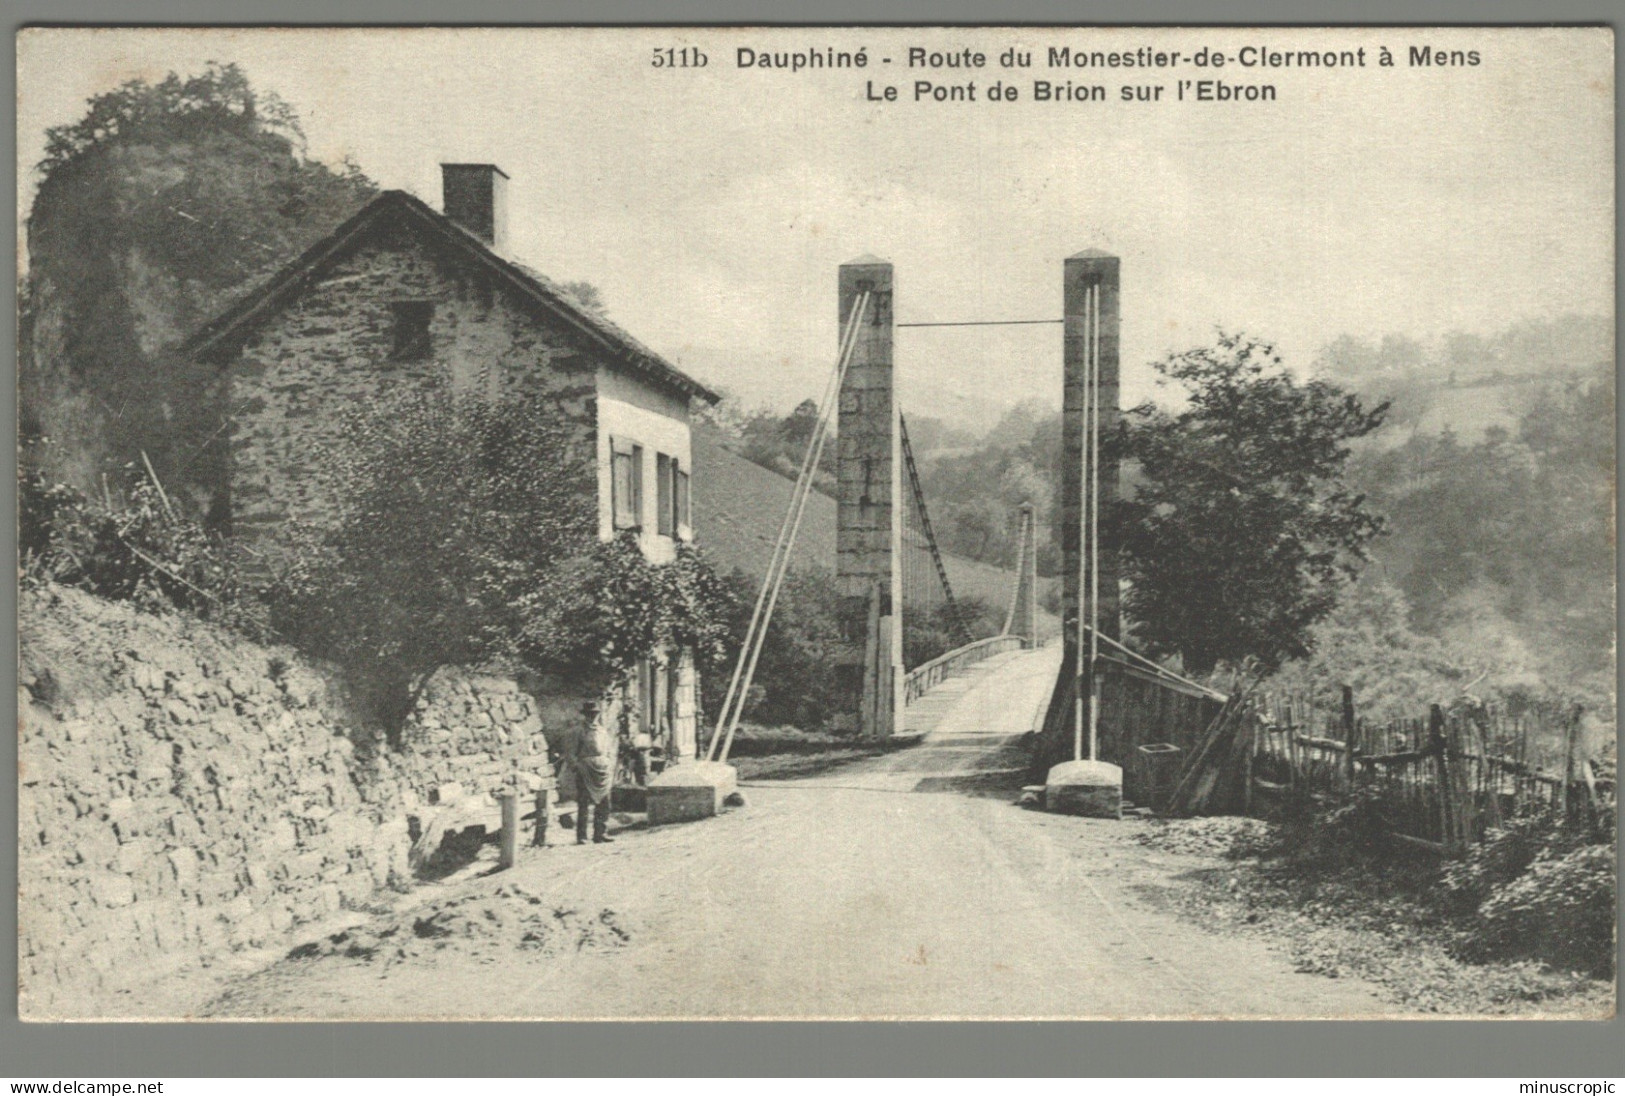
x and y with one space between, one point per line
211 342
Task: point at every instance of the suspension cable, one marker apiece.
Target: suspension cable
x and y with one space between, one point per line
1082 669
773 581
930 537
1021 569
1094 534
980 323
757 629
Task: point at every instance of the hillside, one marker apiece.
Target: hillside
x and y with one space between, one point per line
739 506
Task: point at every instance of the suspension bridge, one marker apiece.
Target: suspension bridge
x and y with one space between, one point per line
905 634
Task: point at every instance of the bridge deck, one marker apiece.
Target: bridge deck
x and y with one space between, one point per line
1014 708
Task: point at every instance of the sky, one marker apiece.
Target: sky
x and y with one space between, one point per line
712 206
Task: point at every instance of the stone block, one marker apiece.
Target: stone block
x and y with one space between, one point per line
689 792
356 888
281 835
112 890
130 857
1092 789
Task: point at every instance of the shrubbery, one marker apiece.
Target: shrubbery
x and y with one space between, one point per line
468 532
135 548
606 609
795 681
1532 889
1332 837
1561 910
448 548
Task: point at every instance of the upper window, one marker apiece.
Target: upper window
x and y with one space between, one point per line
673 508
411 331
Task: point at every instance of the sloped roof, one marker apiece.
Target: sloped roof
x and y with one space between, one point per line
228 330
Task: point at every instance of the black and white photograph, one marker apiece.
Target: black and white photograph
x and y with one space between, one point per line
816 523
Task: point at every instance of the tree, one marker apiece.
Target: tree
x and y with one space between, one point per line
586 295
780 443
1242 531
467 533
445 531
1367 643
1506 542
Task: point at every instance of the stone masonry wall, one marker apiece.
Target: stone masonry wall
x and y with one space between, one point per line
328 353
183 793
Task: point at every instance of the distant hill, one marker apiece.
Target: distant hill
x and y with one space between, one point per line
739 506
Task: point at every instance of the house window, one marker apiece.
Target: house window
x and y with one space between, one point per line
626 483
673 508
411 330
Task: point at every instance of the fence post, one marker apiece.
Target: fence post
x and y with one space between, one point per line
1348 733
1291 744
1571 732
1247 768
509 849
1436 743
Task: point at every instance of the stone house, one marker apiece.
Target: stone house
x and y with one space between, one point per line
402 293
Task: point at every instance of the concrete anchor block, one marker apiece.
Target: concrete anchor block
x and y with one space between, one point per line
1091 789
689 792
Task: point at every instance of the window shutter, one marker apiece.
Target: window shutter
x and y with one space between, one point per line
637 487
622 485
684 518
666 488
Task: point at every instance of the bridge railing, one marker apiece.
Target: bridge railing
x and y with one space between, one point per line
927 676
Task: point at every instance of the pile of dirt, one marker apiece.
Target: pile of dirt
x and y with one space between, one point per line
510 917
1221 835
1353 925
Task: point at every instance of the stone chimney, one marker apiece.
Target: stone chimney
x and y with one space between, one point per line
476 197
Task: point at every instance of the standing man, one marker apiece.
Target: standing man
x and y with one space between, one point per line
594 763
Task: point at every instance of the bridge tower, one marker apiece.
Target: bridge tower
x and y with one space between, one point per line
1023 617
1090 303
868 516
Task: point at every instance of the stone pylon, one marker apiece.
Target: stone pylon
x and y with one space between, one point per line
1090 294
869 492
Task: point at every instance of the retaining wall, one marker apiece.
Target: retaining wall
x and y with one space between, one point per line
183 793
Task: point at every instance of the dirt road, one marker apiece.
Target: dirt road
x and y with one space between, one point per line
907 885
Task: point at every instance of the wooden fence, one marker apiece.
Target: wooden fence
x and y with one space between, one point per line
1441 781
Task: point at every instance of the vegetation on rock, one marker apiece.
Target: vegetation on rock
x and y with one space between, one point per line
160 205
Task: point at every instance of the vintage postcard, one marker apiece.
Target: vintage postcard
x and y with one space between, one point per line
793 523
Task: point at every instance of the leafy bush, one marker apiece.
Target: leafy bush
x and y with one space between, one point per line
1504 855
795 682
603 611
140 550
1320 837
1561 910
444 534
451 549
